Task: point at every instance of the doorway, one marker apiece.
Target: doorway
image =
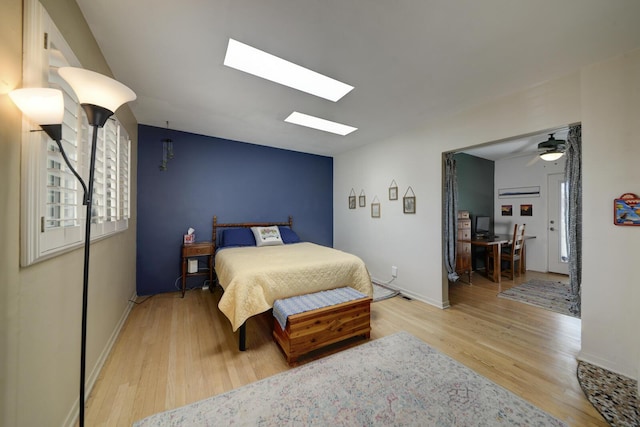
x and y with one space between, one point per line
557 247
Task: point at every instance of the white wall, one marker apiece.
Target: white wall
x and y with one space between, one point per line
611 159
605 98
517 172
414 242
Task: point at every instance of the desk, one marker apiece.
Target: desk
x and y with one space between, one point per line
495 243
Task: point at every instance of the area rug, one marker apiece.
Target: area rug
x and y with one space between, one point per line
613 395
396 380
381 292
553 296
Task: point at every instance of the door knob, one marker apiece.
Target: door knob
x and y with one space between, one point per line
552 229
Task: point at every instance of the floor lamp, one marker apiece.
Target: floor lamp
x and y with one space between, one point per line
99 96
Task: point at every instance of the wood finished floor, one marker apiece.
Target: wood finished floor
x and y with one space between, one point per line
174 351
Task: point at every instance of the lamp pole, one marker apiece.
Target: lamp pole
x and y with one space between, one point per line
85 278
97 117
100 96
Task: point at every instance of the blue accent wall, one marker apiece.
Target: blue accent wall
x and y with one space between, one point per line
236 181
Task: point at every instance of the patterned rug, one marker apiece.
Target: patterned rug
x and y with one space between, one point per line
553 296
395 380
613 395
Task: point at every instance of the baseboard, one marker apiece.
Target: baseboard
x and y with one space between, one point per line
410 295
438 304
627 371
74 413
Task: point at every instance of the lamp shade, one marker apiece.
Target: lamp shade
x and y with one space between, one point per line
550 156
44 106
96 89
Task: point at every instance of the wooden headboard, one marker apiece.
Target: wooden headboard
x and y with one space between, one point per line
214 233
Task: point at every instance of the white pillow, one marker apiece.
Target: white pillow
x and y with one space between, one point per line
267 236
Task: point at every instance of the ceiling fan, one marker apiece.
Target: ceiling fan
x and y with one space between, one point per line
550 150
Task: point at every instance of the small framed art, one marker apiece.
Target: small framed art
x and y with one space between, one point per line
409 202
375 210
393 191
626 210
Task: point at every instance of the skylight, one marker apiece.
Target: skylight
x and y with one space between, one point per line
262 64
318 123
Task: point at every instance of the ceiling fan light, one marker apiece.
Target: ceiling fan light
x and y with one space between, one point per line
550 156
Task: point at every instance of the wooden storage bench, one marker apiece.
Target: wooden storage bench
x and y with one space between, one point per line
316 328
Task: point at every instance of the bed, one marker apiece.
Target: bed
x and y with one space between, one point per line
255 266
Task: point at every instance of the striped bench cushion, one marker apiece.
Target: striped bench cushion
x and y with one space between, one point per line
283 308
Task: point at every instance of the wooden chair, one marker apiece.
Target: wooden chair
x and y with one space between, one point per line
512 253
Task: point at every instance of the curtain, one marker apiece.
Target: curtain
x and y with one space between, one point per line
573 177
450 216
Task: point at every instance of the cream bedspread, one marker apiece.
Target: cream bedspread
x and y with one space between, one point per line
253 278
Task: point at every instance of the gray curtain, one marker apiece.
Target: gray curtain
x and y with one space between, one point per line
450 216
573 177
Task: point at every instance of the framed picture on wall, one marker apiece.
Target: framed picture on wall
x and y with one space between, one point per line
393 190
526 210
626 210
363 201
409 201
507 210
393 193
409 204
352 202
375 210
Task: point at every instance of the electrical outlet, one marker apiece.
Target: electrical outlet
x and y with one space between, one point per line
394 271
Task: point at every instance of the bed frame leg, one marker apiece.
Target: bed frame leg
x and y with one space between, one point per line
242 340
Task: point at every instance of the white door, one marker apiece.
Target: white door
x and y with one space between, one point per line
558 250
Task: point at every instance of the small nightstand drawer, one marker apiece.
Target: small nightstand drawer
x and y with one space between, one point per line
198 250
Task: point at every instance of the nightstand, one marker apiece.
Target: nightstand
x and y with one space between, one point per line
197 249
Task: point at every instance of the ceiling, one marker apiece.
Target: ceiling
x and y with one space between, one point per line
411 62
517 147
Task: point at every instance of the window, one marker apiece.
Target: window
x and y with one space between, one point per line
52 214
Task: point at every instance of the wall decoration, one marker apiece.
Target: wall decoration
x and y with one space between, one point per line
362 199
167 151
375 208
526 210
507 210
393 190
521 192
352 199
409 202
626 210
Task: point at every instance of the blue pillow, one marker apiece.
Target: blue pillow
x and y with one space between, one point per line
288 235
234 237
